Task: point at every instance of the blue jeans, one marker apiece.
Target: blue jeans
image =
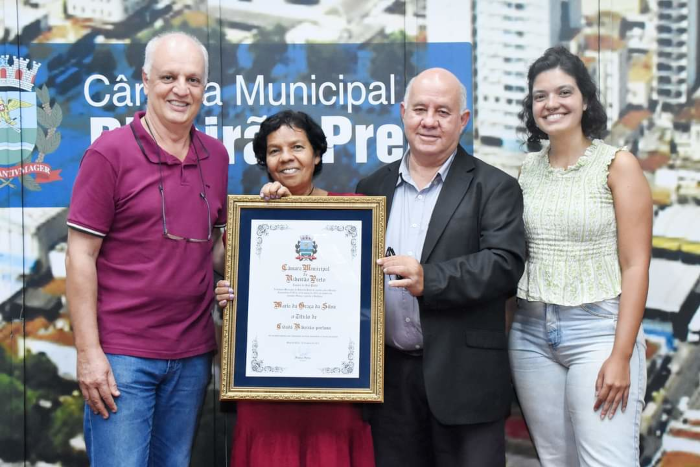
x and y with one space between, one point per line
556 353
157 413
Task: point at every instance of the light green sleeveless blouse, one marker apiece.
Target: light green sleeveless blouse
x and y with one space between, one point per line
571 229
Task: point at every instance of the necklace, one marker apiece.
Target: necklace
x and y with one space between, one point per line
312 190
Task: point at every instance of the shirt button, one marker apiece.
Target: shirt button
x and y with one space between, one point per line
410 253
414 225
418 346
420 196
408 320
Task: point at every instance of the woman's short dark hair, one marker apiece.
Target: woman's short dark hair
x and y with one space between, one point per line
295 120
594 120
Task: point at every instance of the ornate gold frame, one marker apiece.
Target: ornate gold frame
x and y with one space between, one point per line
374 391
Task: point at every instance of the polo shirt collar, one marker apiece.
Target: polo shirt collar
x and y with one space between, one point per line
151 148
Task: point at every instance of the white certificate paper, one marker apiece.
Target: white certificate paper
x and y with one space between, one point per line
304 299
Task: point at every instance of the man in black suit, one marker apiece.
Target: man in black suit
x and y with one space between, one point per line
456 225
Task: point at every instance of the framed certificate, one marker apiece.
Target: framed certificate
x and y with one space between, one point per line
307 323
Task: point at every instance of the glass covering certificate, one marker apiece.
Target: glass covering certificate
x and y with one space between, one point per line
307 321
305 288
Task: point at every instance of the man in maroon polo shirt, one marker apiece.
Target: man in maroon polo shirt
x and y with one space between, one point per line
143 221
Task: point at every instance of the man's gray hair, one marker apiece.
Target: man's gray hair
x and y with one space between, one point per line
462 94
151 47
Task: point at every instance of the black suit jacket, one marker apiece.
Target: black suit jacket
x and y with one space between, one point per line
473 257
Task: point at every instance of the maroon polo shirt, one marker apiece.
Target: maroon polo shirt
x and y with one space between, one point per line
154 294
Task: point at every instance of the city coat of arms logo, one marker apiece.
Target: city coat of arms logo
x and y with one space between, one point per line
26 126
306 248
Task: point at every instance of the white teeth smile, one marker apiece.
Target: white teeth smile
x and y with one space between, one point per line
178 104
554 117
290 171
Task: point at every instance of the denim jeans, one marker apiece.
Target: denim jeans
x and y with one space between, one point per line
556 353
157 413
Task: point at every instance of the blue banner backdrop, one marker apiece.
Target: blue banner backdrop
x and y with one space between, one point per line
352 90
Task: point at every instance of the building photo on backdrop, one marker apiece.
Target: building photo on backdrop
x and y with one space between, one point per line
71 69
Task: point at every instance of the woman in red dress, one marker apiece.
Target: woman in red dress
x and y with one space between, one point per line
291 434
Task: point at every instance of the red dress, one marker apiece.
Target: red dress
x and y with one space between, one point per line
299 434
